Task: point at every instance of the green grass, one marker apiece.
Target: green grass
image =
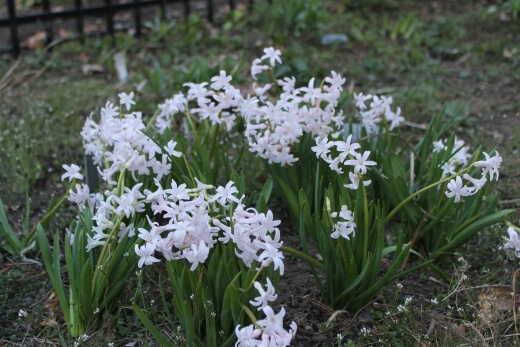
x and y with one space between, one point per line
464 56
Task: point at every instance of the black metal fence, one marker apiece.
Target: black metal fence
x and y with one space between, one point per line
12 20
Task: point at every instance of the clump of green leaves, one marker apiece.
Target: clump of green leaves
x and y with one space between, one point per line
281 19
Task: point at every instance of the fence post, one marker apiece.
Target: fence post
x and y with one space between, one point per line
210 10
137 18
187 9
15 44
110 19
79 19
163 10
46 23
232 4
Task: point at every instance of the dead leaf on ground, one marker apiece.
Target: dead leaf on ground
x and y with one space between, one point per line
509 53
48 322
494 302
88 69
64 33
52 302
35 41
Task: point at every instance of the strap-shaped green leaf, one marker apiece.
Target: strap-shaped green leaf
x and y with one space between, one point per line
163 340
14 245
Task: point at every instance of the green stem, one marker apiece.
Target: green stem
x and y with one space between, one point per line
189 170
115 228
257 274
303 256
104 251
213 141
150 122
250 314
193 128
366 217
420 191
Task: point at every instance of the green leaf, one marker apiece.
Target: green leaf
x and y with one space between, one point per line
53 270
163 340
14 245
471 230
353 284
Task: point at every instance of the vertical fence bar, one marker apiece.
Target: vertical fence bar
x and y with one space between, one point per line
162 5
79 19
137 18
46 23
210 10
232 4
187 9
15 43
110 19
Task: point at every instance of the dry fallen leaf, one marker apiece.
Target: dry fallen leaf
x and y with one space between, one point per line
509 53
35 41
91 68
48 321
52 302
495 301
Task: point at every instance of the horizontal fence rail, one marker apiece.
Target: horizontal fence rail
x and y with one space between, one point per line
107 10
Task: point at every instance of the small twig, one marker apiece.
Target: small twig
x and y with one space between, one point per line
433 279
472 326
463 58
416 125
8 73
509 202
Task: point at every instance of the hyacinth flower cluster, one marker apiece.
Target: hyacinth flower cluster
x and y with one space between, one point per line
379 111
184 223
460 155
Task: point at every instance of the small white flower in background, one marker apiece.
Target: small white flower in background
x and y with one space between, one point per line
247 336
407 300
145 252
170 149
354 178
490 165
274 56
256 68
514 241
265 295
399 286
434 301
457 190
360 162
221 81
346 227
360 100
71 172
322 148
127 100
225 195
22 313
80 195
402 308
364 331
477 183
271 254
197 254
